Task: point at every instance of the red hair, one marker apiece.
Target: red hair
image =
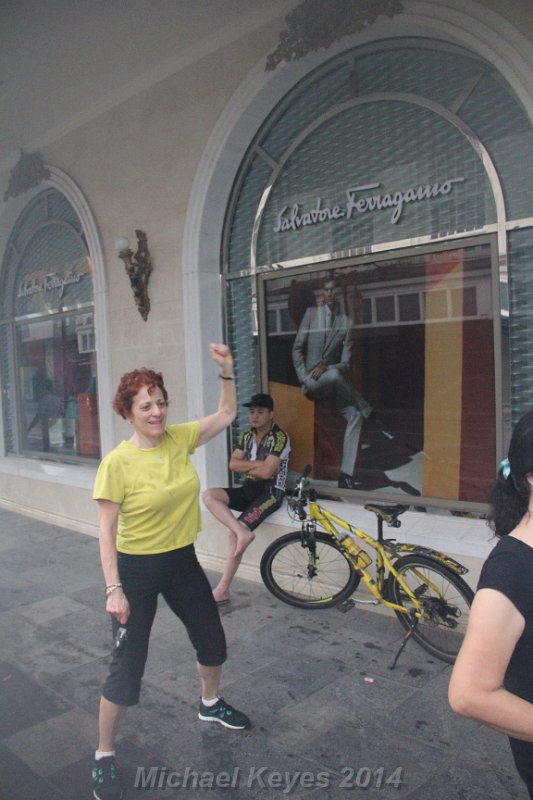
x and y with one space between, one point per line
131 383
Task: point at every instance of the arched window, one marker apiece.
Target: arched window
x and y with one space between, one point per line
391 152
47 339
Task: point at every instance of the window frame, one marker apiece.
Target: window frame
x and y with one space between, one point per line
499 342
42 206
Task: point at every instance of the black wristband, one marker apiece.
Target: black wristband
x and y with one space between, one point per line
226 377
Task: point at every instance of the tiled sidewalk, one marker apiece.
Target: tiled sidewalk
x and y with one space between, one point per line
330 719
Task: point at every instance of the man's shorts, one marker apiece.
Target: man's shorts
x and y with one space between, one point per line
256 500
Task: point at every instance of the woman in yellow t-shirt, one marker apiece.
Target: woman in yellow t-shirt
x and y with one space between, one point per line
147 492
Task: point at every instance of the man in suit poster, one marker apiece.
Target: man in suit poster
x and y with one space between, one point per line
321 355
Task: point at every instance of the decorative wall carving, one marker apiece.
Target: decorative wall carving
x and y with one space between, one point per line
319 23
28 172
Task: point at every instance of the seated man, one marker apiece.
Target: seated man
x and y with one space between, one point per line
262 456
321 354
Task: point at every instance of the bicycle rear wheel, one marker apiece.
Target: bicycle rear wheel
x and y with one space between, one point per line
308 574
446 598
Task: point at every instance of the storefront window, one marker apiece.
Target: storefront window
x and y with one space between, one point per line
56 363
403 404
48 370
380 152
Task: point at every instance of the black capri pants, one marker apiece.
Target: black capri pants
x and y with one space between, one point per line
178 576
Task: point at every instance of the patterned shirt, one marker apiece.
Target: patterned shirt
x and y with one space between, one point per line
274 443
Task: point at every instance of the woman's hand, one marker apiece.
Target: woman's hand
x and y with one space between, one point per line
117 605
221 355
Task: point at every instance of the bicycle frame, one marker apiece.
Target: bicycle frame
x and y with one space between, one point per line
328 520
423 587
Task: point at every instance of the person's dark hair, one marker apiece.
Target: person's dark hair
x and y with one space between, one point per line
511 492
329 277
131 383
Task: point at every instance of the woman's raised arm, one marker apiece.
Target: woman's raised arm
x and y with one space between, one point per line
213 424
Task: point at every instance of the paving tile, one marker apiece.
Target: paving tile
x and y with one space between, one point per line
15 593
426 715
258 607
467 781
24 702
71 549
349 750
53 608
54 743
170 650
43 582
64 639
15 634
15 772
91 594
350 699
36 789
25 531
82 685
18 560
82 627
51 655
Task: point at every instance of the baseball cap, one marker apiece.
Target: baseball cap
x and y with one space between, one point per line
261 400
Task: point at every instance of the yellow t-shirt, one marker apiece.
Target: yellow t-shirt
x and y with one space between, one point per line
157 490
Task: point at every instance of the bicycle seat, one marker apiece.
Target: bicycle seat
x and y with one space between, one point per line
385 512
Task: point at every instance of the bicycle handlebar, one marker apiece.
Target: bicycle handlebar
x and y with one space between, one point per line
385 513
299 499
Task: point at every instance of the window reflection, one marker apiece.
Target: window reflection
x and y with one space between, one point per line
57 371
420 353
47 337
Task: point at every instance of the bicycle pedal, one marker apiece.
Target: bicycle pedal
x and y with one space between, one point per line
345 606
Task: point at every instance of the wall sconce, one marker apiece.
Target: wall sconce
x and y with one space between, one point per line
138 267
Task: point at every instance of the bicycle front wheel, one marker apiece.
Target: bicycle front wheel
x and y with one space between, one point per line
446 600
310 574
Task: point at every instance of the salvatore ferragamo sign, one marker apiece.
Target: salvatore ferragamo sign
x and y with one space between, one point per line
358 201
41 281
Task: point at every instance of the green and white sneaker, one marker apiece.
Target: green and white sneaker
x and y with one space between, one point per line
224 714
106 781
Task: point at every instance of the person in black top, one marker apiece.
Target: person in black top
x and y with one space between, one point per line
262 456
492 680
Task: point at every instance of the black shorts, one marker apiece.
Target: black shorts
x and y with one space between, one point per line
178 576
256 500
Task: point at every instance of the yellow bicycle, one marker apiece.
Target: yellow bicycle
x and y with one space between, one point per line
313 568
